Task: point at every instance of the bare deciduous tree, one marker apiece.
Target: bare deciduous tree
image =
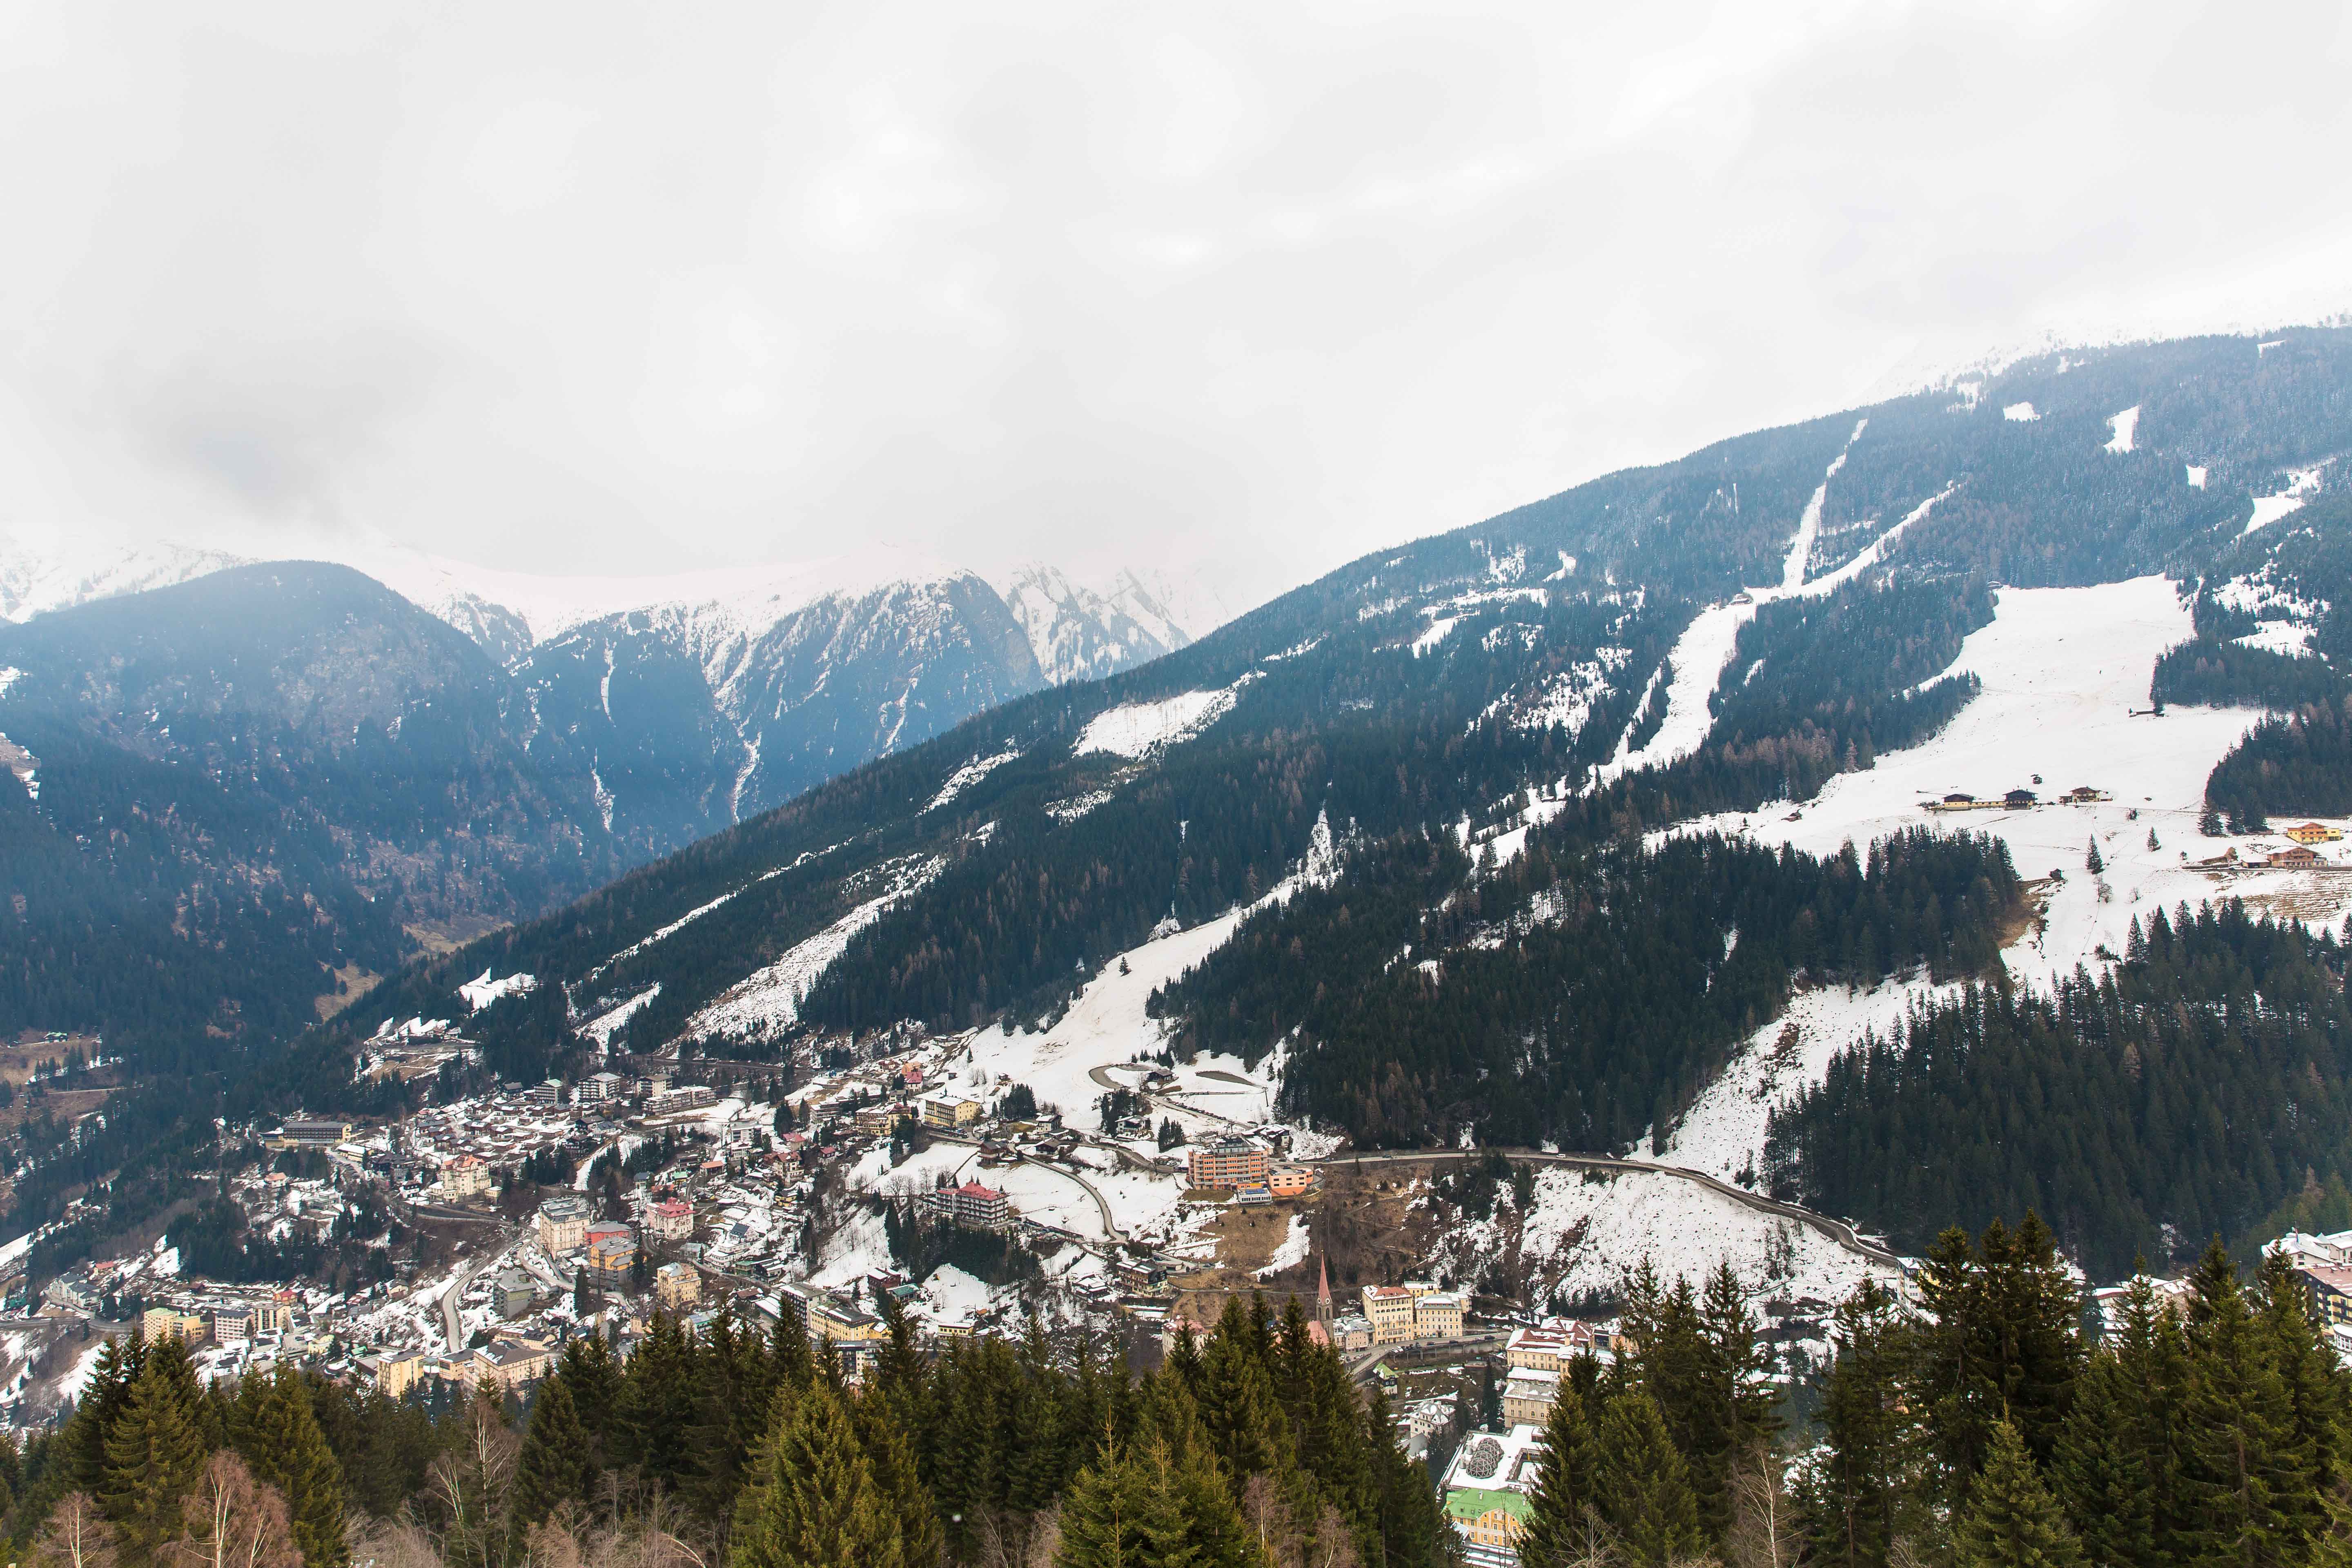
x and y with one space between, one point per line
1762 1522
234 1521
75 1535
392 1544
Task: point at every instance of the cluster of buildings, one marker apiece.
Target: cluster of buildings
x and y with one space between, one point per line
1488 1484
2016 799
2323 1266
221 1316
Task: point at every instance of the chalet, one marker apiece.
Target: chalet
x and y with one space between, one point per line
2018 799
2084 795
2295 855
2314 833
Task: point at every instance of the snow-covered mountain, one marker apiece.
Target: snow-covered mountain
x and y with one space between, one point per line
704 697
1082 632
1480 839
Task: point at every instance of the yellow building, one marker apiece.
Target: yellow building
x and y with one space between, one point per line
829 1320
676 1286
1489 1521
1415 1310
159 1323
466 1177
2313 833
1389 1308
1437 1316
949 1110
396 1372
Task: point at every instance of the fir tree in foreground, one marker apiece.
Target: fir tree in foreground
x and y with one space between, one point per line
2011 1521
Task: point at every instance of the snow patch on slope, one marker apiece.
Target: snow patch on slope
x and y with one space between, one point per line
2301 487
971 773
1821 587
2123 429
1809 526
606 1025
2064 674
1135 730
1588 1231
481 990
767 1001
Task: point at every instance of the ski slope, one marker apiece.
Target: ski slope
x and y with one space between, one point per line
2065 697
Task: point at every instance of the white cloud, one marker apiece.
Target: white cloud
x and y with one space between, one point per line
627 287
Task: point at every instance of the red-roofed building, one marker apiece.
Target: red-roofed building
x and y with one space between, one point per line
972 1205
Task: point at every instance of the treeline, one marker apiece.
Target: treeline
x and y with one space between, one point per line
1582 1005
1847 668
1978 1426
731 1446
2186 1092
2298 764
2208 672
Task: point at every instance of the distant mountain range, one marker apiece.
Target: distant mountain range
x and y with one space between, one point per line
234 730
1488 835
704 697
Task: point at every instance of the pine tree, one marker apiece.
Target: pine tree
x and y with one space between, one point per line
1641 1484
1562 1510
204 1414
654 1414
1411 1529
2316 1384
813 1501
2248 1487
2011 1521
2092 862
2101 1474
594 1384
153 1455
1863 1494
277 1431
102 1398
556 1465
1102 1514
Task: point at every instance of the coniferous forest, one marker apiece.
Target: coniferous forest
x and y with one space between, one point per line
1980 1424
1586 1004
2190 1091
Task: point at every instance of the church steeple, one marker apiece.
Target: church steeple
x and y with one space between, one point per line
1323 1291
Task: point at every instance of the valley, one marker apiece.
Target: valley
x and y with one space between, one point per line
1681 878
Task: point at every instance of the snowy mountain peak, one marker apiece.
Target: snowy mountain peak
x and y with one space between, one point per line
1082 632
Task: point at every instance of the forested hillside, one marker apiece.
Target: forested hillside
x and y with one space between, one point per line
243 785
2189 1093
1585 1008
1473 678
1561 680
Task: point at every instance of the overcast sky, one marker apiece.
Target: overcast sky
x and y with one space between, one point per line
585 288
